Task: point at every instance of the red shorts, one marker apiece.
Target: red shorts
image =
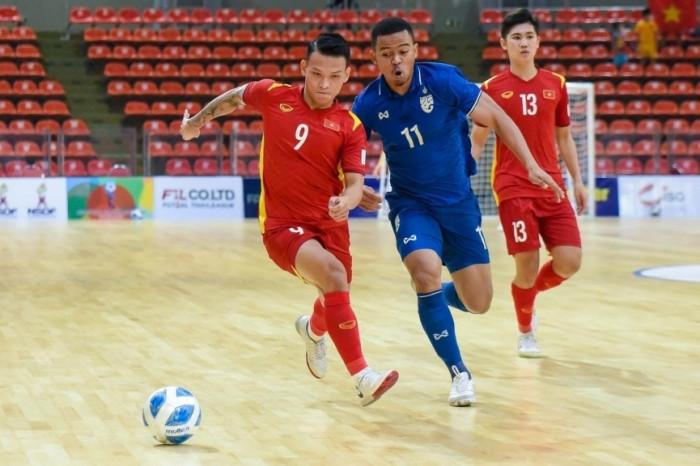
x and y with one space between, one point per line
525 219
283 243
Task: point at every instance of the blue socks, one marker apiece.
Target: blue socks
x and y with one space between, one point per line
452 298
438 325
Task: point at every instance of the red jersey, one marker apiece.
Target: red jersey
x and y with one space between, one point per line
303 154
536 106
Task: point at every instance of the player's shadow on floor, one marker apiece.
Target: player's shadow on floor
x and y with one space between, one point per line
187 447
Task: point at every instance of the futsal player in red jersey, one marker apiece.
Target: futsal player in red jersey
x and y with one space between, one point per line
537 101
312 172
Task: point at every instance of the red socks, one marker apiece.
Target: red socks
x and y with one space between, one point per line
547 278
524 300
318 319
343 329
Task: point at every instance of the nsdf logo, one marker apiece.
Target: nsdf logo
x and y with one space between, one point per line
42 208
198 198
7 210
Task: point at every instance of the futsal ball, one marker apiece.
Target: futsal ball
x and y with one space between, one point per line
172 414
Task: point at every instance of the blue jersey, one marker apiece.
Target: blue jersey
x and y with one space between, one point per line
425 132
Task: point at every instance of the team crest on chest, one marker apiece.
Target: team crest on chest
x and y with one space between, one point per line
426 103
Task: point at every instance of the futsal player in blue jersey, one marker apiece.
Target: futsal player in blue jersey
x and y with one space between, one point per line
420 110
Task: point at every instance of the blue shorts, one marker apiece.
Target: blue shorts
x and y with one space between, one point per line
452 231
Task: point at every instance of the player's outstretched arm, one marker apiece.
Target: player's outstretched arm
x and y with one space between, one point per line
488 113
567 149
224 104
479 135
340 206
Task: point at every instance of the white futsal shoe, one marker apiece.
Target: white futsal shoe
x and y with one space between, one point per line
527 345
371 384
462 391
315 350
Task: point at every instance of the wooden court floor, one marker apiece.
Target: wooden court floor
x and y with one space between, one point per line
95 316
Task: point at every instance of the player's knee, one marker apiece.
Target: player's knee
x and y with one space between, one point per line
426 280
569 265
481 303
335 277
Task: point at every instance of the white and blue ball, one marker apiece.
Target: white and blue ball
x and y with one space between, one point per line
172 414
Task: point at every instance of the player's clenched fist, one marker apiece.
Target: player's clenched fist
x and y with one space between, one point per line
371 201
338 208
189 128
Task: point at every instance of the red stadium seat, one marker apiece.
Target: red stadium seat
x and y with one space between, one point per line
611 107
420 16
218 35
29 107
427 52
28 149
654 88
217 70
242 70
244 149
249 53
681 88
293 35
645 148
80 15
46 168
546 35
155 127
56 108
173 53
622 127
600 127
566 16
94 35
579 70
269 36
149 52
489 16
628 87
198 52
47 125
226 16
224 52
99 52
298 16
27 51
573 35
164 109
665 107
291 70
23 33
690 107
80 149
568 52
75 127
269 70
235 127
25 87
274 17
98 167
51 88
192 70
119 170
657 70
194 35
686 166
116 70
250 16
136 108
604 70
145 88
672 51
15 168
638 107
628 166
7 107
596 52
241 168
205 167
187 149
682 70
123 52
32 171
603 87
72 167
590 16
143 70
6 149
656 167
120 35
675 147
178 16
347 17
676 126
604 166
201 16
197 88
105 15
554 67
213 149
618 148
649 126
598 35
178 167
494 53
32 68
631 70
9 69
296 52
129 16
219 87
20 126
160 149
694 147
322 17
243 35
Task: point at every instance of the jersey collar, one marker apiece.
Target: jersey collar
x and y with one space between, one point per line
415 83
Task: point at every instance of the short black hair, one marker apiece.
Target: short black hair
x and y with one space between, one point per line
646 11
329 43
516 17
388 26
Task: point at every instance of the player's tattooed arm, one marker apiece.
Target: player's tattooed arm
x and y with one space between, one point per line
224 104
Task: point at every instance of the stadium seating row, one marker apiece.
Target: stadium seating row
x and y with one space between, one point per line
71 167
594 52
223 36
647 126
69 127
647 88
569 16
610 71
32 108
642 107
204 53
25 69
632 166
33 149
648 147
228 16
216 71
27 87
